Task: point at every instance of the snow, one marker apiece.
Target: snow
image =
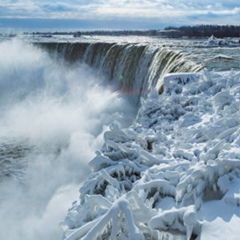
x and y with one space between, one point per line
173 173
221 229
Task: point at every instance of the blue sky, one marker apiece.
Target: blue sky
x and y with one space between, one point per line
117 14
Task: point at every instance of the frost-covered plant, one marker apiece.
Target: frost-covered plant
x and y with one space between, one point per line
153 178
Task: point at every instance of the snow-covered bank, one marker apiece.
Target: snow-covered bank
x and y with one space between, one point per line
174 172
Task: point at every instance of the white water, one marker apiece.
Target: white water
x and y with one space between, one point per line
56 116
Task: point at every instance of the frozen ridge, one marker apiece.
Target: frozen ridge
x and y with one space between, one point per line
173 174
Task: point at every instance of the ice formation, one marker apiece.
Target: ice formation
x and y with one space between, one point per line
155 179
222 42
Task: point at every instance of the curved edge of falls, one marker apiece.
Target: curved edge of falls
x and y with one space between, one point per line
132 69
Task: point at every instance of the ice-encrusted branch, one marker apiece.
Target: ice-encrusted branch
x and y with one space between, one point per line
155 176
184 220
117 217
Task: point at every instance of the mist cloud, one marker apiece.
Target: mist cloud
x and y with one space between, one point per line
58 113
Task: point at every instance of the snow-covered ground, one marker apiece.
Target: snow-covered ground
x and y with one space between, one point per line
174 173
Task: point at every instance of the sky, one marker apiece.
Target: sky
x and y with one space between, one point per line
117 14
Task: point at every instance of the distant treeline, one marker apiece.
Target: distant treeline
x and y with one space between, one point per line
123 33
207 31
103 33
172 32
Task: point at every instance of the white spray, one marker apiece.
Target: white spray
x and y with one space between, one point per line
51 122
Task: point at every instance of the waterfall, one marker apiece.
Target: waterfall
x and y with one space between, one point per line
134 69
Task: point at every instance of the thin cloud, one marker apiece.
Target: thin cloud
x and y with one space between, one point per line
177 11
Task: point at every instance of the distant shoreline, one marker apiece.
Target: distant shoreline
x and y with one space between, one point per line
169 32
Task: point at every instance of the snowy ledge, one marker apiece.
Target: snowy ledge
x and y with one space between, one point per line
174 173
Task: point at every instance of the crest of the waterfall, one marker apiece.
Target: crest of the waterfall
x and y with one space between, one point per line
132 69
